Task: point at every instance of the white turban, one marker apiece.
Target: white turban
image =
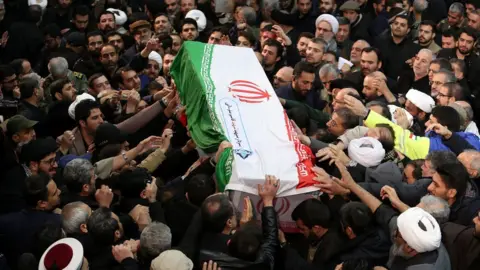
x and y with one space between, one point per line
41 3
198 16
71 108
366 151
155 57
330 19
120 16
419 229
423 101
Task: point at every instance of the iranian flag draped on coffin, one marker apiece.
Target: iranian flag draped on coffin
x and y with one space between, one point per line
228 97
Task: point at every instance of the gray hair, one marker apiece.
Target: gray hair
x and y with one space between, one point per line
475 159
73 216
457 8
77 172
58 67
155 239
320 41
468 109
437 207
250 15
450 76
33 76
441 158
427 51
329 69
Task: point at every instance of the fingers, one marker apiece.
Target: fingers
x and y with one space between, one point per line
319 171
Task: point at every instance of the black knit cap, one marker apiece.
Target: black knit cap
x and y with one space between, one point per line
108 133
282 17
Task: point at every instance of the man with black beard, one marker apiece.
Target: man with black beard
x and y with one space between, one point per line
426 36
88 64
328 6
418 7
464 51
106 22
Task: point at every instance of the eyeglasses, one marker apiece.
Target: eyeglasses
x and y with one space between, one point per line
437 83
440 95
51 161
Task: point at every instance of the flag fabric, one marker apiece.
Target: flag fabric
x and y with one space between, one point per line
228 97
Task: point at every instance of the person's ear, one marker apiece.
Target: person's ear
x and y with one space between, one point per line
433 35
33 166
86 188
83 228
278 59
186 196
82 123
349 232
58 96
451 193
118 234
143 194
380 64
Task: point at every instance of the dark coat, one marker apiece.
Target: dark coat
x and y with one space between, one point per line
394 63
25 41
462 246
17 231
312 99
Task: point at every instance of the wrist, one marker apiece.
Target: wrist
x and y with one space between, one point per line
268 202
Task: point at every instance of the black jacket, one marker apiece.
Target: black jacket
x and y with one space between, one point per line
394 63
265 257
25 41
359 29
472 65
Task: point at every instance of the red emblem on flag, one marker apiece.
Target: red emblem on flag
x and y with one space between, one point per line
248 92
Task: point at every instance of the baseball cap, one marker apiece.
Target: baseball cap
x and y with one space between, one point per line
108 133
18 123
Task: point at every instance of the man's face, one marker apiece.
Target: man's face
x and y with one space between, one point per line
411 108
215 38
176 43
153 69
369 90
266 35
304 6
303 83
167 63
474 21
330 58
108 56
172 6
448 42
379 7
335 125
95 43
458 71
439 79
101 84
52 43
53 195
94 120
189 32
356 52
302 45
9 83
324 30
425 34
408 174
117 42
431 120
69 93
454 18
81 22
438 188
107 23
400 27
326 6
24 136
130 81
48 165
443 99
162 25
465 44
64 4
187 5
303 229
351 15
421 64
142 35
326 80
314 54
342 33
434 68
281 79
243 42
466 159
270 56
427 170
369 63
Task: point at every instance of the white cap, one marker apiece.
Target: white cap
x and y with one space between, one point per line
393 108
155 57
330 19
42 3
419 229
120 16
66 253
171 260
71 108
423 101
198 16
367 151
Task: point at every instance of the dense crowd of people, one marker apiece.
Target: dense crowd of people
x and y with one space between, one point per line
98 169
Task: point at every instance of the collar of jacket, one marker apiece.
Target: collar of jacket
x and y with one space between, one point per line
360 16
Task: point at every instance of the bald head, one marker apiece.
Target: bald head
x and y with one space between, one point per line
339 101
283 77
466 106
471 161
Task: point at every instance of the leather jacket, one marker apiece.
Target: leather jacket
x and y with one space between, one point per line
266 254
